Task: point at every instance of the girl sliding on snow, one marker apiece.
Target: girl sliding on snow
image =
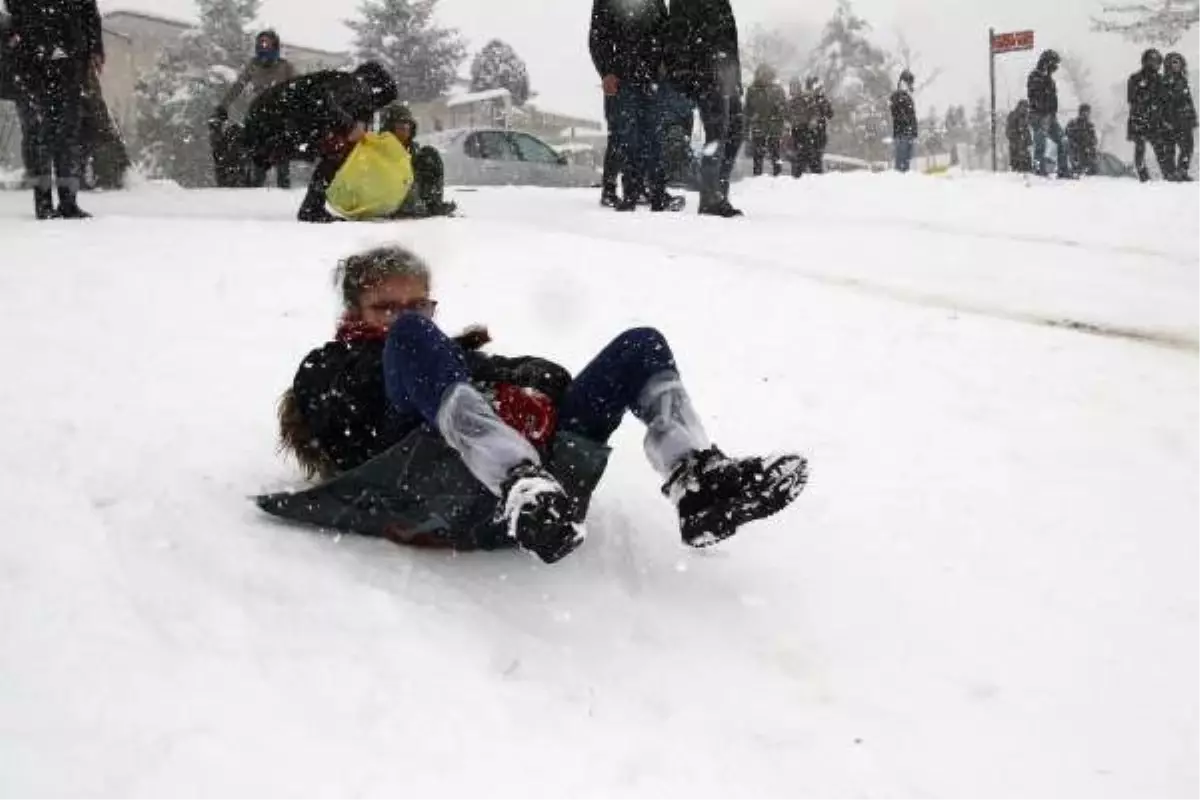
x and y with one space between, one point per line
424 439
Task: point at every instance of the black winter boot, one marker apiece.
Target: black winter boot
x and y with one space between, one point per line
539 514
716 494
68 206
43 204
609 197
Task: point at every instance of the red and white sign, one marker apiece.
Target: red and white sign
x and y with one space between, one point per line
1012 42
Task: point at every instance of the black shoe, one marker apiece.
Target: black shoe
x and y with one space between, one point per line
626 204
538 514
609 198
1144 175
68 208
43 204
441 208
668 202
716 494
317 215
722 209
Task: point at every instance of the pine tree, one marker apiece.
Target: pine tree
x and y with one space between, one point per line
176 99
1161 22
497 66
981 134
858 78
931 138
403 36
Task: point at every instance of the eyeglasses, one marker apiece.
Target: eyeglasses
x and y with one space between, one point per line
424 306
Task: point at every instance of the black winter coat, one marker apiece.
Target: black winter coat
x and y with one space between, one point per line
339 390
1020 137
702 47
628 39
1146 95
904 115
1042 92
294 119
1179 109
44 28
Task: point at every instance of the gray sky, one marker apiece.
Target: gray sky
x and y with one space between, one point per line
551 35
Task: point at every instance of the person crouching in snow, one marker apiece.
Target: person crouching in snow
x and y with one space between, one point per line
426 440
309 117
424 198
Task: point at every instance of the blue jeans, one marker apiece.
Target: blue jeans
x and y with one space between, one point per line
639 125
421 363
1045 126
904 153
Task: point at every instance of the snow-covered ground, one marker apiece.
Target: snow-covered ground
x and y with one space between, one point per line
989 589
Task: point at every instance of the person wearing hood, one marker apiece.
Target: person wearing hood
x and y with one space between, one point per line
50 47
1043 110
703 62
1082 142
1179 116
766 111
1146 95
1020 139
268 68
315 115
904 121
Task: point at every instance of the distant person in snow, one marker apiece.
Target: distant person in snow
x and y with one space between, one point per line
904 121
314 114
627 41
1082 142
1179 116
766 113
268 68
809 112
427 440
424 200
1147 105
1020 139
50 47
1043 114
704 64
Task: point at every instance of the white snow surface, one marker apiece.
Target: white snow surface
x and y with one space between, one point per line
989 588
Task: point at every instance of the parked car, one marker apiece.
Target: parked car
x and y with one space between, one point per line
496 157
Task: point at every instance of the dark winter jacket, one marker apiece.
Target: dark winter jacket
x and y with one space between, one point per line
1082 143
766 108
8 86
398 478
1043 92
1147 98
339 389
46 30
810 111
904 115
628 39
702 47
294 120
1020 137
1179 109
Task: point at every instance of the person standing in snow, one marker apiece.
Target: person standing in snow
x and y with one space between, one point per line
766 111
1020 140
268 68
1179 116
427 440
626 40
1147 98
704 64
1082 142
1042 92
315 114
809 114
52 45
904 121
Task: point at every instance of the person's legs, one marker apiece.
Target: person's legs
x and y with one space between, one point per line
35 148
758 151
612 153
1139 158
1187 145
66 115
313 209
1040 129
775 151
429 173
1062 148
1164 153
629 146
283 175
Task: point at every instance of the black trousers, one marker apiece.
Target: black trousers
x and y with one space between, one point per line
1180 147
724 122
764 145
1163 154
809 151
612 152
50 105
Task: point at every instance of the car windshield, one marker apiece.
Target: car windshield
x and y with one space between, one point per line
531 149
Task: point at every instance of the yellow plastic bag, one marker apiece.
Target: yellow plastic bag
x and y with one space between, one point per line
375 179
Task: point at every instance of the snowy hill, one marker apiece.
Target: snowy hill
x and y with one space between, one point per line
989 589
